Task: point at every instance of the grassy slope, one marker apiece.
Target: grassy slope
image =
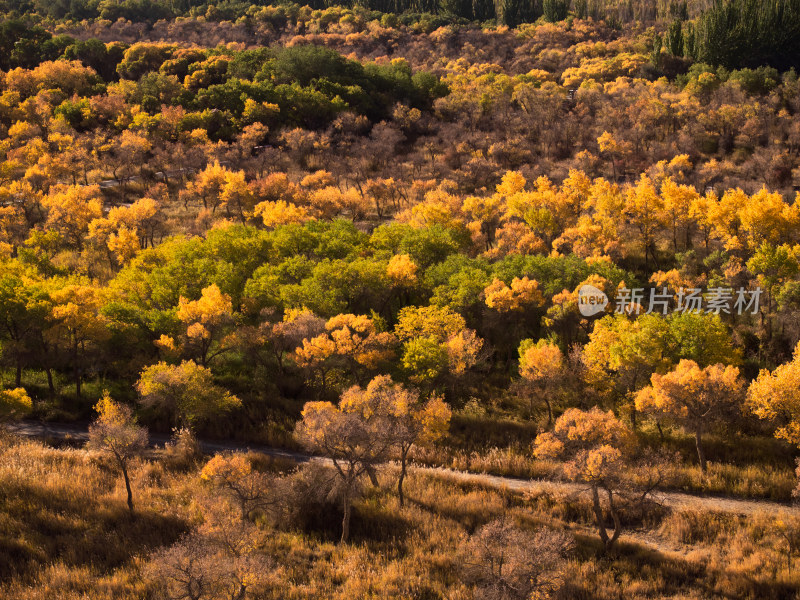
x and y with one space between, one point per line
65 533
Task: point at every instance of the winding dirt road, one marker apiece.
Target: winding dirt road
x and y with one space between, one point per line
675 500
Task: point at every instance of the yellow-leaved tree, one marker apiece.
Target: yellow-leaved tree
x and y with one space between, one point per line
209 185
597 448
541 366
70 209
678 202
14 404
775 396
521 293
410 419
402 270
186 392
280 212
207 321
435 340
78 326
644 210
693 397
116 432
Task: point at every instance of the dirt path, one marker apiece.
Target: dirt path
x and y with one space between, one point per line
674 500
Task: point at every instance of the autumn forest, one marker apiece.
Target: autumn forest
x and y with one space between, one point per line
413 299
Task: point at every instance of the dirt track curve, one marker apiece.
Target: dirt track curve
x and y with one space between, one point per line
674 500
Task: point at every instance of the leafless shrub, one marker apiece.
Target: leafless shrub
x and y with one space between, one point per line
183 451
504 562
308 495
221 560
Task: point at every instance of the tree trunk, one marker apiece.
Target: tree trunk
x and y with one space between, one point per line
76 370
549 411
698 442
615 517
50 385
403 458
346 518
127 486
598 515
373 476
241 593
18 374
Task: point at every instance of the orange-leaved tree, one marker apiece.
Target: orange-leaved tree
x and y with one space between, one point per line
541 365
696 398
597 447
775 396
409 419
351 344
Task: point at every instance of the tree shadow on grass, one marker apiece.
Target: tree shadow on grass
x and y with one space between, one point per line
40 527
373 523
368 523
469 519
632 563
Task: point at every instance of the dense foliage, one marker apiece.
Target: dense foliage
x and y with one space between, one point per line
368 231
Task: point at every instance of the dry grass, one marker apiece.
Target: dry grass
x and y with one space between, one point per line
64 520
751 481
65 534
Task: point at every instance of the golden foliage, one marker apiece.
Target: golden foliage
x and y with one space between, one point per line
520 294
775 396
402 270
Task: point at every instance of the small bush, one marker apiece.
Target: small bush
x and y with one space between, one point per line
183 452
